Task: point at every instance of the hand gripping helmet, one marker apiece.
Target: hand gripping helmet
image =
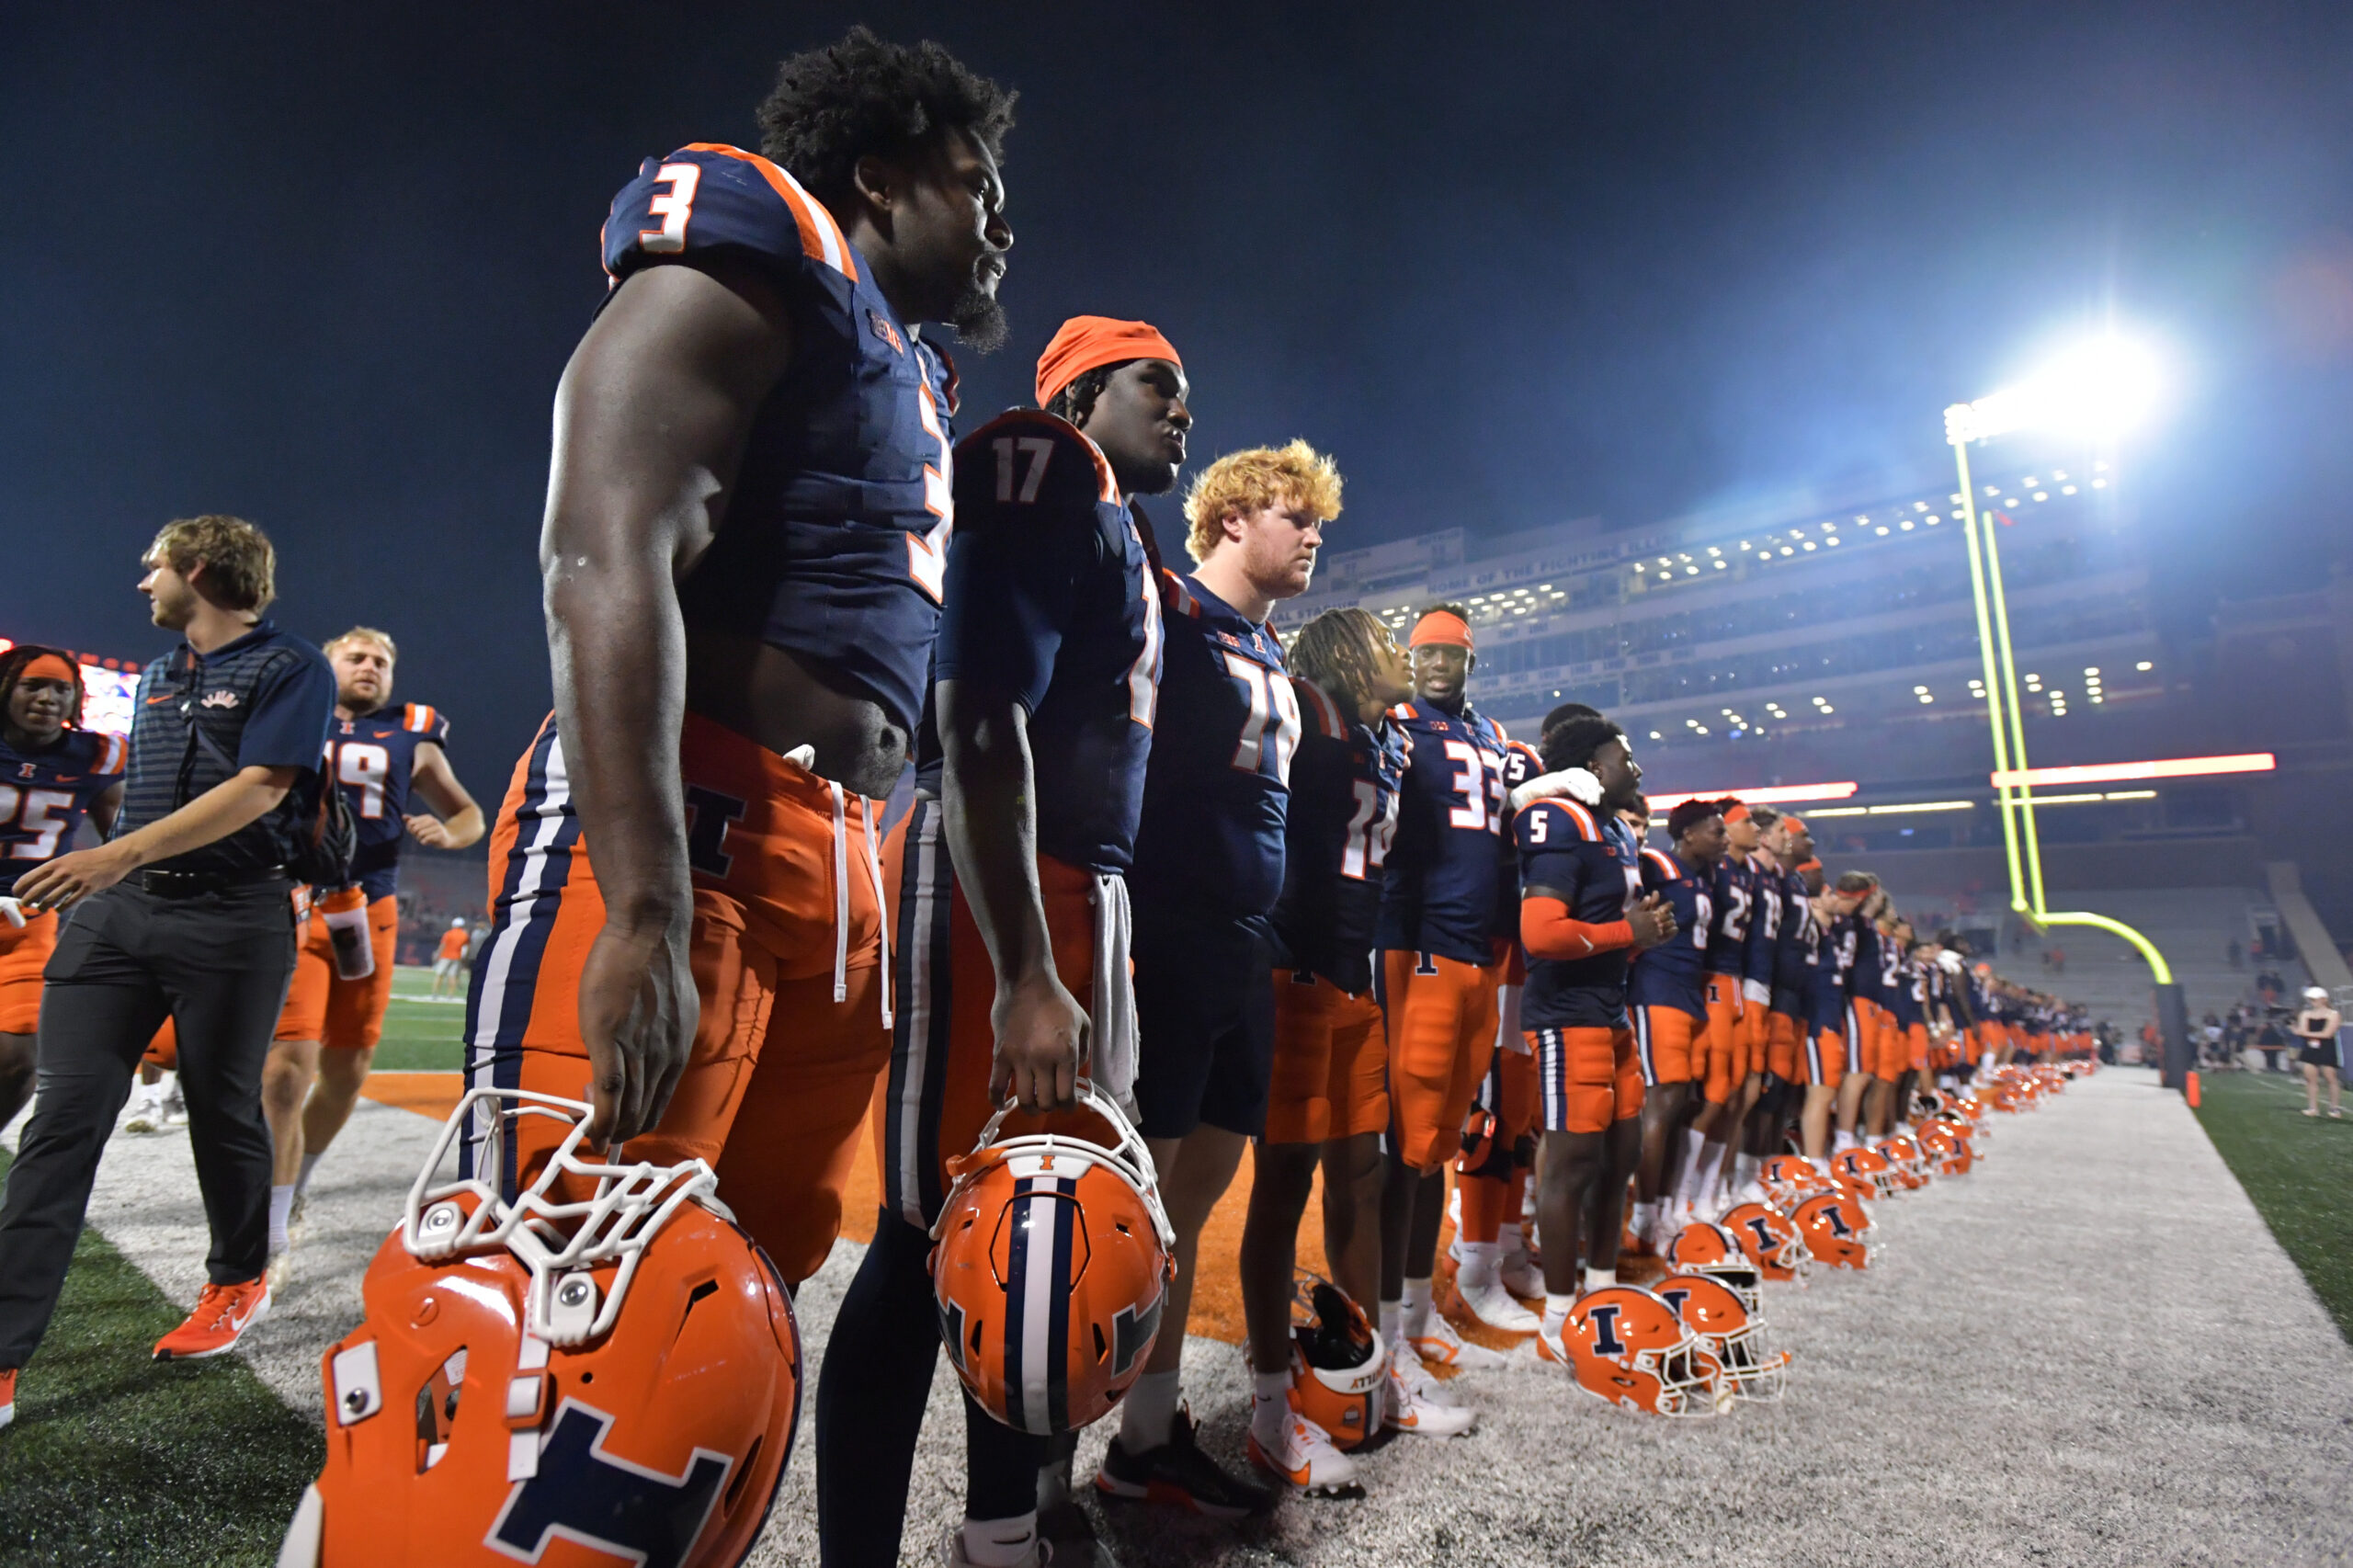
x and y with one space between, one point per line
605 1370
1627 1346
1838 1231
1054 1255
1338 1362
1702 1248
1731 1330
1771 1241
1910 1164
1869 1171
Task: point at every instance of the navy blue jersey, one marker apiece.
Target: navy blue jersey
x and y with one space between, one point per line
1735 894
1444 867
1213 796
1863 971
1834 946
45 794
1894 976
1674 973
1763 923
1520 764
1906 994
1050 600
1588 862
1793 956
374 758
1343 813
834 545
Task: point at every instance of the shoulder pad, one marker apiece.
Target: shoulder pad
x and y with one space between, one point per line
425 722
709 196
1588 828
107 752
1320 710
1662 862
1038 436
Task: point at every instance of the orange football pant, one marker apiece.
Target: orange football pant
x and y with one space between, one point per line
943 1050
1727 1062
1670 1044
1825 1057
765 837
1916 1040
1781 1033
1331 1071
346 1014
23 950
1439 1023
1590 1077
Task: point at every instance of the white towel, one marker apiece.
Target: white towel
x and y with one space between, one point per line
1112 1008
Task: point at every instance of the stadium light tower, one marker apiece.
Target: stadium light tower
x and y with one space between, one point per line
2099 388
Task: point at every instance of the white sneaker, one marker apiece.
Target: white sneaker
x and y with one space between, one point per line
1494 1305
147 1116
1521 1277
1410 1403
175 1108
951 1551
1439 1345
1753 1193
1301 1456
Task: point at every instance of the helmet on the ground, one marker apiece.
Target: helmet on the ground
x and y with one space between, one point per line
1732 1329
1903 1153
1338 1362
1787 1177
1704 1249
1770 1240
1838 1231
1053 1258
1627 1346
1868 1170
1948 1147
606 1361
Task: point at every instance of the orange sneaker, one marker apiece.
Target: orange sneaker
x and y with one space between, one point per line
222 1314
7 1396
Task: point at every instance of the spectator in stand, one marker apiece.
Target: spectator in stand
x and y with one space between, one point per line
2268 985
2317 1027
2234 954
449 961
2271 1042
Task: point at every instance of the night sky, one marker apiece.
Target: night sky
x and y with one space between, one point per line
1511 265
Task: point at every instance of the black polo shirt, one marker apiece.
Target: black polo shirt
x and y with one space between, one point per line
262 701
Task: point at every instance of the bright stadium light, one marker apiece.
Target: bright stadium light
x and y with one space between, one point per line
2101 387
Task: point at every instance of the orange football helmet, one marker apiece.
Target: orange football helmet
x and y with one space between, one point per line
1337 1363
615 1379
1702 1248
1905 1158
1787 1177
1733 1331
1627 1346
1053 1257
1838 1231
1948 1147
1868 1170
1771 1241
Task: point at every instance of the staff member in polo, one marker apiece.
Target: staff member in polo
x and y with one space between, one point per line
185 913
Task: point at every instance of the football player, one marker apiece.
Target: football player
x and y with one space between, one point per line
1747 1132
1789 844
1861 900
1328 1098
1208 870
1668 997
1012 895
1726 1060
52 773
1583 913
745 537
449 958
1830 1042
387 760
1442 960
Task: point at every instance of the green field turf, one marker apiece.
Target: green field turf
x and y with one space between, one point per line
116 1458
420 1036
2299 1171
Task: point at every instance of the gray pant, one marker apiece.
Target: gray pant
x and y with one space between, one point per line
217 964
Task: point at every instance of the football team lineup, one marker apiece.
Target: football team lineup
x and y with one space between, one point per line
974 1038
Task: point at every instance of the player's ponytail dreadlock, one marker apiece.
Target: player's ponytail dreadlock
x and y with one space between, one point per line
12 670
1338 651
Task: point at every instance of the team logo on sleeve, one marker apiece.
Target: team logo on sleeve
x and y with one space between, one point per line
886 332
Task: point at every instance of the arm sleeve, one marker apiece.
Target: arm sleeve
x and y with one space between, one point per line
1548 932
288 727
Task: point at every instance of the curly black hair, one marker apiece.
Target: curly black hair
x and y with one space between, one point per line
1573 744
1687 815
863 96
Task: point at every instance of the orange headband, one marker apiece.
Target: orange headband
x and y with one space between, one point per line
1086 343
49 666
1811 866
1441 629
1794 824
1737 811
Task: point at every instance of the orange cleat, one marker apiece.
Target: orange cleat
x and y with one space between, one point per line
222 1314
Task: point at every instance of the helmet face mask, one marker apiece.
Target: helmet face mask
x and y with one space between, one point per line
1628 1347
1770 1240
1731 1331
653 1422
1053 1259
